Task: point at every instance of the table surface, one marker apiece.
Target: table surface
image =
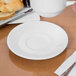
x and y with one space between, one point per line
12 65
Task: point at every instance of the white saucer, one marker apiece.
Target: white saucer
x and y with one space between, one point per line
37 40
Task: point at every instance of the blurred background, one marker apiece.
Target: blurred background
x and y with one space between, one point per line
26 3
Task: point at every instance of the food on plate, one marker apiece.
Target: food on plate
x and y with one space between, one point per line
9 7
4 16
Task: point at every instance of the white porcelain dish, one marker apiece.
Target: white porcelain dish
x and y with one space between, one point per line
37 40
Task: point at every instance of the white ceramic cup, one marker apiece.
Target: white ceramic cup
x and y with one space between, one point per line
49 8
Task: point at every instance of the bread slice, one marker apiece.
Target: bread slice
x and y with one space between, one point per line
4 16
10 5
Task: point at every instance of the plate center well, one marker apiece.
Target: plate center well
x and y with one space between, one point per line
38 42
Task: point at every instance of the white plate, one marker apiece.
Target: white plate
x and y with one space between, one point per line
37 40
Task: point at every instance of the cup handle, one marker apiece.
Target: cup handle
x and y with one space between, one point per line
70 3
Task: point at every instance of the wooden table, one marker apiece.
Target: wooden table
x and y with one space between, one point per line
12 65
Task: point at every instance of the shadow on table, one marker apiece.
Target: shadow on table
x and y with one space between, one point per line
37 65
